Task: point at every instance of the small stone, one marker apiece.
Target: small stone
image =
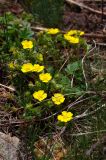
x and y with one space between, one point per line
9 147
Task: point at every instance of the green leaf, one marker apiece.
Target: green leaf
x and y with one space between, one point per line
73 92
72 67
65 81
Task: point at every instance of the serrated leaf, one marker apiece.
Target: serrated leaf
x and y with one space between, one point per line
65 80
72 67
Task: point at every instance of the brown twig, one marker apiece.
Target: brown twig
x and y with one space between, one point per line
7 87
86 133
84 114
70 2
95 36
90 35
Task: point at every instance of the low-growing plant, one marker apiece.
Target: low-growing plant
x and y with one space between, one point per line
45 87
43 67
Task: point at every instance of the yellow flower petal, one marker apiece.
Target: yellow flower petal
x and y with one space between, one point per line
58 98
72 32
75 33
64 113
74 40
27 44
60 117
40 95
65 116
69 114
45 77
28 67
38 68
53 31
71 39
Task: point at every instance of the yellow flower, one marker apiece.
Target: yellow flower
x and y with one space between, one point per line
38 68
81 33
65 116
74 39
72 32
53 31
67 37
58 98
45 77
75 33
72 36
28 67
27 44
71 39
40 95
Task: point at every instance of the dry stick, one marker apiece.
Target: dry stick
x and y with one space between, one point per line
9 88
77 101
86 7
102 36
86 133
11 122
63 65
38 28
101 44
88 114
89 35
102 9
83 62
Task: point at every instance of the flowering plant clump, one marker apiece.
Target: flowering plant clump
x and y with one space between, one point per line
45 73
45 77
40 95
65 116
27 44
58 98
53 31
28 67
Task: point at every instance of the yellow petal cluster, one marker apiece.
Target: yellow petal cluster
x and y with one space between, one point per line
27 44
72 36
28 67
75 33
65 116
45 77
53 31
38 68
58 98
40 95
71 39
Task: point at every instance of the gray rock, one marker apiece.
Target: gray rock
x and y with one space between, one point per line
9 147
